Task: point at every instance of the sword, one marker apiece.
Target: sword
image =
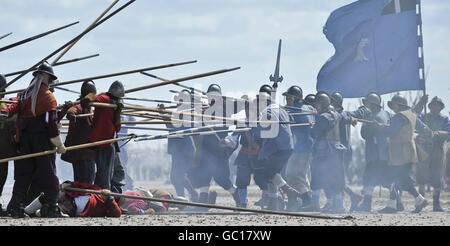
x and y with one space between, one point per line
276 78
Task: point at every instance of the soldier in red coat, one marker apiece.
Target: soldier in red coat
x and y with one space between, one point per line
106 124
36 131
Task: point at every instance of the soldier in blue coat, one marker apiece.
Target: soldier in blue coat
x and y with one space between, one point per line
344 132
376 151
327 168
276 148
402 153
297 169
211 157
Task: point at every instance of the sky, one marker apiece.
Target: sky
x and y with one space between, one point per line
217 33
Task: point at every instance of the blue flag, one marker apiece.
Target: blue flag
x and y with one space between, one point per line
378 48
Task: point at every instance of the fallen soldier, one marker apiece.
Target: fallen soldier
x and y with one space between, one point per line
137 207
79 204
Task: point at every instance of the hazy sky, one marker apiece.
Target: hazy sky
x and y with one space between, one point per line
217 33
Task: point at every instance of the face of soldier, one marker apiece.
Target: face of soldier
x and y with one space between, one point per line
290 101
395 107
318 107
435 108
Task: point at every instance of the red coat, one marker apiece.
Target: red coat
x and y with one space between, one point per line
135 206
97 205
103 127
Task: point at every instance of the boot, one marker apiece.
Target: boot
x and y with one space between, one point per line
263 201
272 203
212 197
306 198
436 202
355 200
3 212
236 198
420 205
366 205
17 208
203 198
391 207
54 212
328 208
292 195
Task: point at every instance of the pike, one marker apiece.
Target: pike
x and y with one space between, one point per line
276 78
147 128
68 43
213 117
6 35
181 79
75 147
107 75
178 84
90 26
294 214
57 64
157 101
36 37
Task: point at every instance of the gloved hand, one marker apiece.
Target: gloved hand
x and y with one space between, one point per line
106 193
353 121
86 100
149 211
66 106
65 185
60 148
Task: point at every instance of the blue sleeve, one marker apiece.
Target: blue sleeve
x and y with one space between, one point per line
447 128
420 126
397 122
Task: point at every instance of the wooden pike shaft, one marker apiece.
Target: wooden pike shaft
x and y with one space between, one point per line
6 35
89 27
68 43
210 205
35 37
181 79
81 146
108 75
57 64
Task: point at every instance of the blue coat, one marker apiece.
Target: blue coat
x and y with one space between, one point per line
274 137
302 135
376 144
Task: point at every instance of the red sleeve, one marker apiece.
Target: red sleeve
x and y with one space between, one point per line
136 207
12 109
112 209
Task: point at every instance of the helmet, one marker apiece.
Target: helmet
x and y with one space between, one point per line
214 88
116 89
438 101
337 98
2 80
294 91
45 68
266 89
88 87
398 99
323 99
309 99
182 95
373 98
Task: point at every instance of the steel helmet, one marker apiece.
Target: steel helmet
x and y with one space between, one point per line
116 89
88 87
323 99
337 98
45 68
214 88
295 92
373 98
309 99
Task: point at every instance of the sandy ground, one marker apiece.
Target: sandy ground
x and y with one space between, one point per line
405 218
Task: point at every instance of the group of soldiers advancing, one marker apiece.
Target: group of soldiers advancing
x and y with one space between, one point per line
302 161
303 149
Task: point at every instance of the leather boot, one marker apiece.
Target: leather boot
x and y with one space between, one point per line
436 202
366 205
236 198
306 198
292 195
17 206
3 212
355 200
272 203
